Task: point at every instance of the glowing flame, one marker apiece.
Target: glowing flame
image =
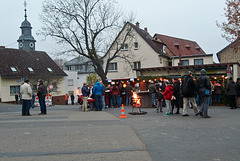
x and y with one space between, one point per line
136 100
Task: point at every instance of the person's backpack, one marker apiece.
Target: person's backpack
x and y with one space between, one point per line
114 88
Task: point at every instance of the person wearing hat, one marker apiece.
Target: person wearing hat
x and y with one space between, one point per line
41 93
188 89
152 91
26 92
204 89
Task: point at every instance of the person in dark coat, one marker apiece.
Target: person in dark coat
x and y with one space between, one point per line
41 93
72 98
115 94
152 91
128 91
203 84
231 91
16 98
159 100
217 90
188 89
238 92
176 94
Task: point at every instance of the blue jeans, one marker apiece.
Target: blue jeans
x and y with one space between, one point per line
98 102
153 99
26 104
43 105
217 98
115 100
205 105
120 101
128 100
103 102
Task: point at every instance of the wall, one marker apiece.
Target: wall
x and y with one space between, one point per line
6 83
229 56
206 60
145 54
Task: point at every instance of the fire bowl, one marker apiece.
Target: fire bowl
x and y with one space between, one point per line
138 113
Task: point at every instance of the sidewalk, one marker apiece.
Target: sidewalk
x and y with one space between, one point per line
67 134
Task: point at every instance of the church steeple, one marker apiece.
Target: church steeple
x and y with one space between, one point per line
26 40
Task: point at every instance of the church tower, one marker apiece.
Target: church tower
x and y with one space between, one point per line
26 41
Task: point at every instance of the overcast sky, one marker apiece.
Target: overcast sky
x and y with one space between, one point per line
188 19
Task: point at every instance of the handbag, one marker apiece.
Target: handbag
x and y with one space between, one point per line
207 92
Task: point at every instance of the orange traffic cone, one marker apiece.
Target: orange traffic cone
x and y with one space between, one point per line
123 115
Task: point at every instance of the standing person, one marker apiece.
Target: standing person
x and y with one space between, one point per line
103 95
176 94
188 91
108 96
97 92
41 93
26 92
121 91
16 97
115 93
167 96
159 100
152 91
66 98
217 90
85 93
72 98
128 91
203 84
231 93
238 92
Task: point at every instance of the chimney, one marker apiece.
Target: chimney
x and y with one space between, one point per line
146 29
138 24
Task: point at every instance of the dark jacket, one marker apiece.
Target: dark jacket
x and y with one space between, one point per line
177 93
85 91
97 89
217 89
190 86
42 91
159 96
203 83
128 90
231 88
238 89
114 90
152 88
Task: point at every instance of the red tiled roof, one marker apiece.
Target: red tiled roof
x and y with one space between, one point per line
21 60
180 46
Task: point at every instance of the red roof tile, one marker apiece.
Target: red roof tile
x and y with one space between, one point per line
180 46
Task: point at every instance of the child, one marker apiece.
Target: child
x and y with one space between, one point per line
159 100
167 96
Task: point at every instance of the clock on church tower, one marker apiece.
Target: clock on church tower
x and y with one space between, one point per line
26 41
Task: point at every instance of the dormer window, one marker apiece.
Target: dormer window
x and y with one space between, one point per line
13 69
188 47
49 69
30 69
177 45
198 48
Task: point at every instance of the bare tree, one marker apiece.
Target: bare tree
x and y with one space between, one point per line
231 27
87 27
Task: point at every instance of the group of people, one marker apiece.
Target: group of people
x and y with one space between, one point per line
113 94
174 93
26 97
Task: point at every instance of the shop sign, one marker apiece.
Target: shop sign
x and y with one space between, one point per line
109 80
211 71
